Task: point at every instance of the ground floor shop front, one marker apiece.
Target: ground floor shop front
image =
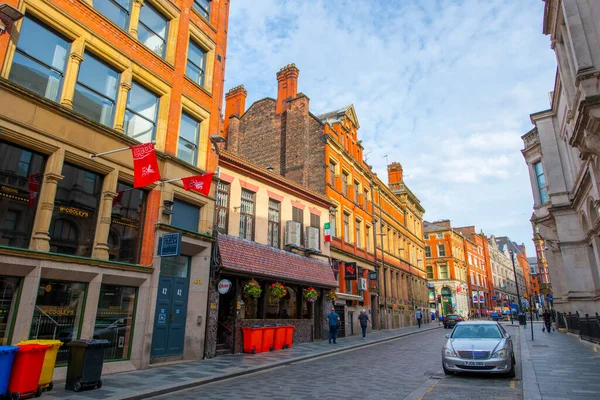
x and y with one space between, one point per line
147 314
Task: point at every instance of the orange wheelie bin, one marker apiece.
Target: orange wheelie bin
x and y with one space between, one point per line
279 340
26 371
289 336
253 339
268 337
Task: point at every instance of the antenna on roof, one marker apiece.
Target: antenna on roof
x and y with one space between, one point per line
365 155
386 160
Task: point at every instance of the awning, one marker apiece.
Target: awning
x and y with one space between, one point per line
258 260
347 296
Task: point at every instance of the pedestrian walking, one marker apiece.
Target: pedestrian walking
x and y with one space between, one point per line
334 321
419 316
364 320
547 321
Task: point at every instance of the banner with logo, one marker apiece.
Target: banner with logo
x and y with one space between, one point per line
198 183
350 271
145 165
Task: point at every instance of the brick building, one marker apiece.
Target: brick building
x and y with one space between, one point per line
477 270
324 154
77 242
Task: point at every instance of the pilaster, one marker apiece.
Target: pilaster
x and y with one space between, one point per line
75 59
134 18
109 192
40 238
121 104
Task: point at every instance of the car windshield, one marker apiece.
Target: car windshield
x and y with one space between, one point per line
476 332
453 316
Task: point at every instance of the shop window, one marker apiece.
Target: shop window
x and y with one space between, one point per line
222 206
9 287
247 211
96 90
40 59
153 29
114 320
58 313
189 135
185 215
274 229
75 212
203 7
115 10
20 182
124 239
196 63
141 113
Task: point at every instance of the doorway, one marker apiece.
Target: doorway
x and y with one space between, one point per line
339 309
171 307
226 322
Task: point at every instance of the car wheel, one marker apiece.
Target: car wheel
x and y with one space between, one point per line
513 372
446 371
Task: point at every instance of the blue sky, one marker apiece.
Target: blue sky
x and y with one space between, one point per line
443 87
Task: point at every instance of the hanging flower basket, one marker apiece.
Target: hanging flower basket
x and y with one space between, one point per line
278 291
252 289
311 294
332 296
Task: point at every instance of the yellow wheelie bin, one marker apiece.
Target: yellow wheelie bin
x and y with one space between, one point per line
45 382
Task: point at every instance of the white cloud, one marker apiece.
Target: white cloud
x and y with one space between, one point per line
445 88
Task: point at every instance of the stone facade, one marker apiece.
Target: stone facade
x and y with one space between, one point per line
562 153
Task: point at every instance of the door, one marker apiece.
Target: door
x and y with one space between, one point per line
339 309
171 307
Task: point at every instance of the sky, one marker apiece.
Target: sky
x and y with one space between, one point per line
443 87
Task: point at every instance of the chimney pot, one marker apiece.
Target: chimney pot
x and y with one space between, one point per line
287 86
235 104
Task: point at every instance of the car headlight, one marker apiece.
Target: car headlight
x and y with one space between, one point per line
449 352
500 354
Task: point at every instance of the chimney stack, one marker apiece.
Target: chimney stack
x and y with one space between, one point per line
394 175
287 86
235 104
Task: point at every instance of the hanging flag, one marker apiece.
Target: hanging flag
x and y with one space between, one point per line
145 166
118 198
198 183
33 184
327 232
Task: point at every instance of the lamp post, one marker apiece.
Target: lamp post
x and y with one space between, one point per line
512 258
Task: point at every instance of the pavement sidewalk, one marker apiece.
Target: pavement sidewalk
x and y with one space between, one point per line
558 365
161 380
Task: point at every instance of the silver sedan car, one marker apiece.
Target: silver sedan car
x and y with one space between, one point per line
479 346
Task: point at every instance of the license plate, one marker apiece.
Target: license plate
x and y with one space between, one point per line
475 363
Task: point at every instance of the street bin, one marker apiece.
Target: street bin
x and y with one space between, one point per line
279 338
45 382
268 337
86 358
253 339
289 336
26 371
522 319
7 355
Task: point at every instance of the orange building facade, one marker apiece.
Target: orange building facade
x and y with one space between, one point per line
284 135
477 271
82 77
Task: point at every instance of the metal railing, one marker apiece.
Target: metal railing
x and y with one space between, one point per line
588 328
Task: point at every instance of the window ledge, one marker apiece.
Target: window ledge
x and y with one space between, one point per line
203 19
198 86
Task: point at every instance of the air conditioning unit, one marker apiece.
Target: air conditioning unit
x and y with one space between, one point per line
293 231
312 238
362 284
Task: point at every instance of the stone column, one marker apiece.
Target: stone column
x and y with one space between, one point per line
109 192
121 104
91 307
71 72
40 238
134 18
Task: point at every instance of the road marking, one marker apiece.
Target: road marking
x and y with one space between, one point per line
512 383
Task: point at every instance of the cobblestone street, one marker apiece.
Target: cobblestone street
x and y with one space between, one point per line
406 368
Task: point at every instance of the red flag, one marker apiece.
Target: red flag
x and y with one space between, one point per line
198 183
118 198
145 166
34 187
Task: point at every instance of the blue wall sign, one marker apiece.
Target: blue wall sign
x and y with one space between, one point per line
169 245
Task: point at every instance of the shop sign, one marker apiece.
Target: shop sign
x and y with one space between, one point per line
350 271
475 299
169 245
373 275
481 299
431 297
430 285
224 286
76 212
493 298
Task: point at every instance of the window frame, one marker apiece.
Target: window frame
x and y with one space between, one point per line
127 12
203 71
221 185
127 109
345 177
167 30
245 216
441 248
274 223
204 12
358 230
346 224
427 251
196 145
542 190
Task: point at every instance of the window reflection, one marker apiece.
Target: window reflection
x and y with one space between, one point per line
141 113
152 30
114 319
115 10
125 234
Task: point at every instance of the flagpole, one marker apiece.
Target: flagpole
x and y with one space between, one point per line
172 180
115 151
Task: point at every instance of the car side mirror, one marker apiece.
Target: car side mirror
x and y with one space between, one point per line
508 336
447 336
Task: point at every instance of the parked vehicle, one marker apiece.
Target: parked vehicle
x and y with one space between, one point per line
496 317
451 320
481 346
